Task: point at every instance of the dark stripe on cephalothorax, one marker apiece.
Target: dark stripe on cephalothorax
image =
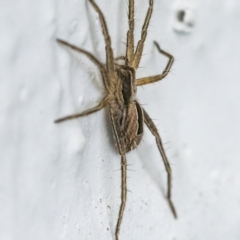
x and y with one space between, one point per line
127 77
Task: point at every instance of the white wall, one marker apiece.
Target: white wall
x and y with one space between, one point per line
63 181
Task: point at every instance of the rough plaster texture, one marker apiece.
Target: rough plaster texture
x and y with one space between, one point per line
63 181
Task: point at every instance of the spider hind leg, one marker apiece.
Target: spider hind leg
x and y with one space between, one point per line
155 133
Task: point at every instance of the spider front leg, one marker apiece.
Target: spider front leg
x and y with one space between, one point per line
155 78
100 66
101 105
109 51
155 133
130 33
139 49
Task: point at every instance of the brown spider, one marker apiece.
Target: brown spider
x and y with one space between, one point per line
127 115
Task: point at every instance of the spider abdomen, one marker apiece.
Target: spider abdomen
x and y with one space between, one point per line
129 119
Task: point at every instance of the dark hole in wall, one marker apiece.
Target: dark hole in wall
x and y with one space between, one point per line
181 15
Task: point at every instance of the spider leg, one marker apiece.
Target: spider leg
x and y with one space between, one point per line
153 129
101 105
123 193
109 51
92 58
130 35
155 78
116 129
139 50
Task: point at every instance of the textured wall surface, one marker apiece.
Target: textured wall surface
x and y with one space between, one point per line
63 181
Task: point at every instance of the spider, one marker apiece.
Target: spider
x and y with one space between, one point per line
126 114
